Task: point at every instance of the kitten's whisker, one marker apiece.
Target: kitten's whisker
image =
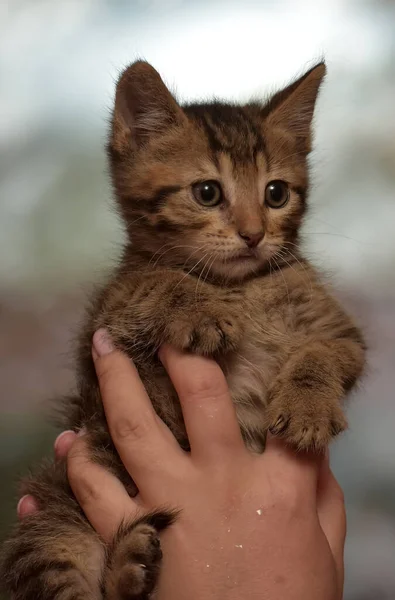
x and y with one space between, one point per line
209 268
282 256
337 233
297 246
190 270
307 274
169 250
294 257
210 265
192 253
153 256
199 278
285 282
128 225
346 237
270 268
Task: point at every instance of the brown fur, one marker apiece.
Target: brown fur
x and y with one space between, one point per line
289 352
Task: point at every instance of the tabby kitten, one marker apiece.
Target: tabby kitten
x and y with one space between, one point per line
213 196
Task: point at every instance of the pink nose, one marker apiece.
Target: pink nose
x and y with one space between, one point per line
251 239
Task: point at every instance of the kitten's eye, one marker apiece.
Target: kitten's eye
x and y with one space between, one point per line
207 193
276 194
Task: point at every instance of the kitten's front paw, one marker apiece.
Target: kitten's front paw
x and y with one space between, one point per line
134 564
205 331
305 419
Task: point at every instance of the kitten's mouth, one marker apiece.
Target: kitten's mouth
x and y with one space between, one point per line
243 255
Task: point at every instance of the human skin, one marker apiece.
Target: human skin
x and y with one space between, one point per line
268 527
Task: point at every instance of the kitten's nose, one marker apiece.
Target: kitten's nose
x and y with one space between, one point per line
251 239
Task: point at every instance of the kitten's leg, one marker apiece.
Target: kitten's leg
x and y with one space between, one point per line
166 306
53 555
304 402
134 558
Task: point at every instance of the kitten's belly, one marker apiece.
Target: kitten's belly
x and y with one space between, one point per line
249 372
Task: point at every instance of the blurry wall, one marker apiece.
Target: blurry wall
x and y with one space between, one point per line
58 236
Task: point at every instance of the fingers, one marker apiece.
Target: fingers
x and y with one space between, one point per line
209 414
145 445
27 505
332 515
100 494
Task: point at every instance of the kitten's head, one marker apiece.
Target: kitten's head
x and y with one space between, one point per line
212 188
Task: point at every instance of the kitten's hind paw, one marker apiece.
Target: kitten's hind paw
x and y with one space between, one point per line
141 555
135 557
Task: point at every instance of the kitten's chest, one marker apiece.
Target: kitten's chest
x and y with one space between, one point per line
251 369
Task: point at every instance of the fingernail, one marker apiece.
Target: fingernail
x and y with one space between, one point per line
102 343
26 506
21 501
60 439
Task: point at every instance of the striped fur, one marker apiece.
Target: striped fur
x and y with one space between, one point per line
289 352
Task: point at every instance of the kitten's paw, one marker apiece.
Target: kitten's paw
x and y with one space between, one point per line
134 564
206 331
305 420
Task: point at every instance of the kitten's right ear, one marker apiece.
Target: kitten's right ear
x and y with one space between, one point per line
293 107
143 107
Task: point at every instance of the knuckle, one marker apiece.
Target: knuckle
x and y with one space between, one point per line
76 455
125 430
86 488
209 383
87 492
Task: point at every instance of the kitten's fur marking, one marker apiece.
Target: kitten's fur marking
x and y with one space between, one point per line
283 342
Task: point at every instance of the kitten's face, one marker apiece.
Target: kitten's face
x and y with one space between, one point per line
219 190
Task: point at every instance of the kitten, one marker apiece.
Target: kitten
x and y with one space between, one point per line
213 196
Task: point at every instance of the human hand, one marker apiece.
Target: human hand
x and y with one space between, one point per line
267 526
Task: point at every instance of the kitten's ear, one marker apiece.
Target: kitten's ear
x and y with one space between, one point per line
143 107
293 107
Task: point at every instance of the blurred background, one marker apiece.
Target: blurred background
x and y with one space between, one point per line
58 235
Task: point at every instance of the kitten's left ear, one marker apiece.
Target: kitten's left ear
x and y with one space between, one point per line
143 107
292 108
